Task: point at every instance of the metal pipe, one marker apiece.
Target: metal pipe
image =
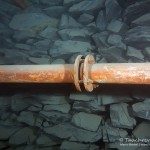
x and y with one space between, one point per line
36 73
84 71
123 73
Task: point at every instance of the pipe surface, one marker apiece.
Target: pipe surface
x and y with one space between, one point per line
36 73
123 73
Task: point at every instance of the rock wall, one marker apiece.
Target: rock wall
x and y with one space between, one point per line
56 31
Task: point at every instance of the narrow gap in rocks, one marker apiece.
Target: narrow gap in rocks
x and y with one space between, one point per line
56 116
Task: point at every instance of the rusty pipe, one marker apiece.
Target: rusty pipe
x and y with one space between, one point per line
85 71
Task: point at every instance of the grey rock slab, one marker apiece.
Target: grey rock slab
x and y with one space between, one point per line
142 130
44 140
34 108
41 45
89 107
86 6
136 10
49 99
34 22
20 36
138 37
85 18
55 116
7 131
18 103
87 121
51 11
68 145
134 52
146 52
117 26
23 136
113 54
50 2
67 21
101 22
23 46
100 39
113 10
5 101
82 97
67 131
116 40
27 117
121 116
141 110
49 33
70 2
36 60
64 108
69 47
111 134
75 34
58 61
142 20
110 99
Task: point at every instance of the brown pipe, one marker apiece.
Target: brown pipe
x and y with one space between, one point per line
122 73
36 73
84 71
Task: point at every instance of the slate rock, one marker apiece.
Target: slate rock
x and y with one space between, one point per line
67 131
138 37
117 26
49 33
69 47
23 136
55 116
43 45
68 22
34 22
146 52
113 54
87 121
5 101
111 134
89 107
7 131
136 10
51 11
121 116
85 18
116 40
36 60
142 20
58 61
133 52
100 39
101 22
70 2
21 36
142 130
67 145
27 117
18 102
82 97
64 108
141 110
86 6
50 2
113 10
44 140
23 46
75 34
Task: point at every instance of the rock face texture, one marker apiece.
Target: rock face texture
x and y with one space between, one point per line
56 32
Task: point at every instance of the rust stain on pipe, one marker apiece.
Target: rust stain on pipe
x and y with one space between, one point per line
36 73
123 73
